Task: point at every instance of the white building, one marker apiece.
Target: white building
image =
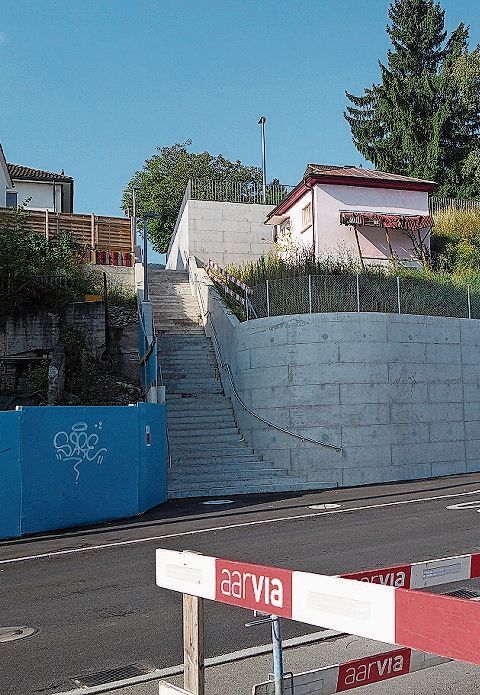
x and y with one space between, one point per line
372 215
38 189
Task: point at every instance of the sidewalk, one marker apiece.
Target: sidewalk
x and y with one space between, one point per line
237 678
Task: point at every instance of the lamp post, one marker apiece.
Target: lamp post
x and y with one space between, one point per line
147 216
261 123
134 217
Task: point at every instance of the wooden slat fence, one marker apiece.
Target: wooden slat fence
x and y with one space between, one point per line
92 231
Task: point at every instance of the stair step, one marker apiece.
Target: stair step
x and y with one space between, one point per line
287 485
200 425
197 478
209 431
189 389
178 442
222 450
227 463
200 422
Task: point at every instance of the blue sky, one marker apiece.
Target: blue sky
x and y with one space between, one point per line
93 86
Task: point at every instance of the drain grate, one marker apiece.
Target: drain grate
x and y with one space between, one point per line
111 675
463 593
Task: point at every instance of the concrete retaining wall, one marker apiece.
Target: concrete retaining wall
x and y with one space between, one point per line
225 232
399 393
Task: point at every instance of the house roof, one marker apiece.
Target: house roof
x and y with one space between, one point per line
20 172
361 173
347 176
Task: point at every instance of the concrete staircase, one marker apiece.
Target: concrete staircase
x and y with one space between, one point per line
208 453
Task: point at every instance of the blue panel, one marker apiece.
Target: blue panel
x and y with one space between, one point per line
79 465
10 478
152 471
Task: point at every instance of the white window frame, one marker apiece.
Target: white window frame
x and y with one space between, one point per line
306 223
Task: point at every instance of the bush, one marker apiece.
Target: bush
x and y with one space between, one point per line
35 270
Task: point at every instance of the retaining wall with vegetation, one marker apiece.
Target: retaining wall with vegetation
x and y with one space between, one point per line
399 394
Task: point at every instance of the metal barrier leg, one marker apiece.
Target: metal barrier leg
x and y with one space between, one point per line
277 655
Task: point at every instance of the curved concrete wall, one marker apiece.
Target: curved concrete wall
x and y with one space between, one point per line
399 393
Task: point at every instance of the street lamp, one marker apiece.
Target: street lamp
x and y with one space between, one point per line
261 123
147 216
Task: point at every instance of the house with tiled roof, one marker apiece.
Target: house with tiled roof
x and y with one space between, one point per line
372 215
38 189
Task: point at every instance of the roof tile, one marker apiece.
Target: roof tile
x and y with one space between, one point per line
18 171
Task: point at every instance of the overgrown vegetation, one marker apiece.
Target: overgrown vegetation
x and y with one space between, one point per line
440 290
35 270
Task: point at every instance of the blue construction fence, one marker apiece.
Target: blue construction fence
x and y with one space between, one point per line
70 466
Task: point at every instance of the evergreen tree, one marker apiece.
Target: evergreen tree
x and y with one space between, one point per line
423 119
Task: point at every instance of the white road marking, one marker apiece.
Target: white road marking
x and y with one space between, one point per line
465 505
227 527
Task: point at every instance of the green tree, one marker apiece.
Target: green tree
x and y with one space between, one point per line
423 118
161 184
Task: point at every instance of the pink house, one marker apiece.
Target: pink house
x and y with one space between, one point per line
373 215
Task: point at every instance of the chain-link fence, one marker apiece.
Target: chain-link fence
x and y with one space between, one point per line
362 292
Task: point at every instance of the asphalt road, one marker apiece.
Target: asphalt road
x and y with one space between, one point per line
91 593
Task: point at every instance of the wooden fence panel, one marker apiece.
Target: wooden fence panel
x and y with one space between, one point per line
109 233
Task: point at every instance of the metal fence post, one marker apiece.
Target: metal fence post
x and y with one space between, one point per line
309 294
469 300
358 292
268 297
246 303
398 295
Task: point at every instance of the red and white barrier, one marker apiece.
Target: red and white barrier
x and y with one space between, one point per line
442 625
419 575
354 674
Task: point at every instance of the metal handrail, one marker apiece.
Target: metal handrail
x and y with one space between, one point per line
207 314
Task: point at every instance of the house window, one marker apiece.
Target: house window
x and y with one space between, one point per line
307 216
11 199
285 226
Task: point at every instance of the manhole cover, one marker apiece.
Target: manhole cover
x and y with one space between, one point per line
112 675
10 634
214 502
323 507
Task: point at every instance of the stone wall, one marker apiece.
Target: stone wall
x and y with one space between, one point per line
34 335
400 394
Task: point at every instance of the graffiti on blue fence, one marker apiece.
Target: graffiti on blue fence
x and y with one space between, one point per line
79 446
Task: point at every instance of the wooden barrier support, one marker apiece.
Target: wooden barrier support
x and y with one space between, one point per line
193 646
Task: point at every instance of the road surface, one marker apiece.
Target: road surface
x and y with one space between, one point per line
91 593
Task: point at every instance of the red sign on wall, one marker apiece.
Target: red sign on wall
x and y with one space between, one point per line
390 576
373 669
266 589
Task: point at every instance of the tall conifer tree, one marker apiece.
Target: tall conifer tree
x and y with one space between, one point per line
417 121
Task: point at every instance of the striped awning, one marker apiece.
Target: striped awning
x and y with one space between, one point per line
411 223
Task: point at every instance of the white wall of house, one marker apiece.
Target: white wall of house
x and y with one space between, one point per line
3 188
301 234
332 237
41 194
223 232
